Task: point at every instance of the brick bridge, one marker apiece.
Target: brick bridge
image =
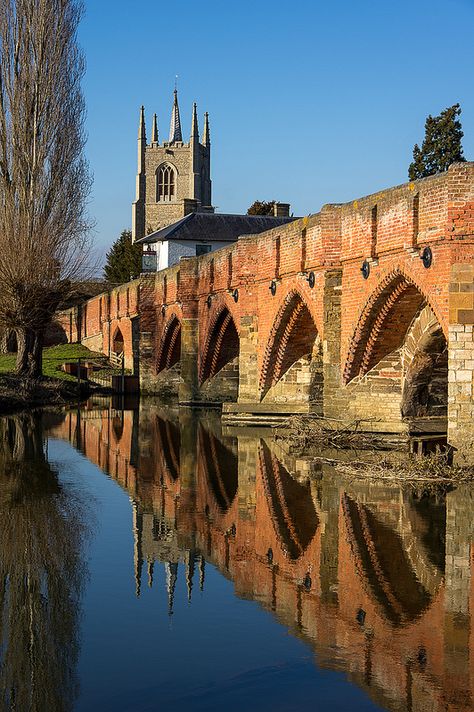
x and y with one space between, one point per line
288 321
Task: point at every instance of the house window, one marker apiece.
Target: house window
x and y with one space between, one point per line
203 249
166 184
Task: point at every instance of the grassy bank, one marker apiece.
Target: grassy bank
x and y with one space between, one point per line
53 359
54 388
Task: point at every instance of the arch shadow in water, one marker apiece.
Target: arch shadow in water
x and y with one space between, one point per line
384 564
169 440
290 503
221 467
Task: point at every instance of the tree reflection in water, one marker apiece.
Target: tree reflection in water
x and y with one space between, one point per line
41 573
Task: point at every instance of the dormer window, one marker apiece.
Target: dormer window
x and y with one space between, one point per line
166 184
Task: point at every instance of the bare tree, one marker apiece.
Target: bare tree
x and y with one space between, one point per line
44 179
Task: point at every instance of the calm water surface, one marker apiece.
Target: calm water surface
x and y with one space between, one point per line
150 561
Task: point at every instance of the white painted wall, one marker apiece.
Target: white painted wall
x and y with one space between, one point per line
170 252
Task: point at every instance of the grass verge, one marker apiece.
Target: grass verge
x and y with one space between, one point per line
53 358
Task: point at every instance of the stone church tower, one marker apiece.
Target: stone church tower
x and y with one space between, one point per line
174 178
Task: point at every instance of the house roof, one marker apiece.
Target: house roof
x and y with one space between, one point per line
217 227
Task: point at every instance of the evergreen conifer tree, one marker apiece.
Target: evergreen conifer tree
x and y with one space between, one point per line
124 260
441 146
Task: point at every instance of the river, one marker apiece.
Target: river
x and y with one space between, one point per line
152 560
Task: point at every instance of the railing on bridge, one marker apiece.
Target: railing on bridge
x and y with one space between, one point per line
117 359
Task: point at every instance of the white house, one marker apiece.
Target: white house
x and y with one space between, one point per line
199 233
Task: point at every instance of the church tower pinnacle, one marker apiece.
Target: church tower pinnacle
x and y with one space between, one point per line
206 139
195 127
175 126
138 208
154 130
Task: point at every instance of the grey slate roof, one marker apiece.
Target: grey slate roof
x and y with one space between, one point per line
215 227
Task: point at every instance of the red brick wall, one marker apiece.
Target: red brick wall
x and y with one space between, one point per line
389 229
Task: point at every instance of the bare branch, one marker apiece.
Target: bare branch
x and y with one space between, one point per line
44 179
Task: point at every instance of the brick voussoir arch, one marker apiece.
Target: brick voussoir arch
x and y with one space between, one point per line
171 333
221 319
388 291
292 307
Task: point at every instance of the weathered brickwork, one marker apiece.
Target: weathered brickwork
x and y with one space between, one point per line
104 322
461 356
288 317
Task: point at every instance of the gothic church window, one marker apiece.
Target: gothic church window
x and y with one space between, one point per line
166 188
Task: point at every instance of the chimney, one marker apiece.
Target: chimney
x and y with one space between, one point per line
281 210
190 205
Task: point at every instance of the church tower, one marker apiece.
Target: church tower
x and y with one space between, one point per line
174 177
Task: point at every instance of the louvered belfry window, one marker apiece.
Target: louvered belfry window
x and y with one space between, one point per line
166 184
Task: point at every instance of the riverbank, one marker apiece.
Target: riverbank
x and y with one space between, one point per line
58 386
18 394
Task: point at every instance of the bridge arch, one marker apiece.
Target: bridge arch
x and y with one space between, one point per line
384 322
169 353
118 342
424 358
221 347
293 345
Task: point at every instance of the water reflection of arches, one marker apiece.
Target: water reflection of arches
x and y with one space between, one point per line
117 427
424 539
384 564
169 445
290 503
221 467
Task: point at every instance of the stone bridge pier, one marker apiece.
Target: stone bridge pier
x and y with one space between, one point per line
361 312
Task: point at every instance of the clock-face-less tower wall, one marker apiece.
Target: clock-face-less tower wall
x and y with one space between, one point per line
173 178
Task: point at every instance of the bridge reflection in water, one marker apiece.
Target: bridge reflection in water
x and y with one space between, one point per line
377 581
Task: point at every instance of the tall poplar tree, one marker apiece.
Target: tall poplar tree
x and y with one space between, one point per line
44 179
441 146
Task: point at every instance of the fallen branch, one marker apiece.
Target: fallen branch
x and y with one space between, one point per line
313 430
432 469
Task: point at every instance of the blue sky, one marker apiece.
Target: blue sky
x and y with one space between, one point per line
309 102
